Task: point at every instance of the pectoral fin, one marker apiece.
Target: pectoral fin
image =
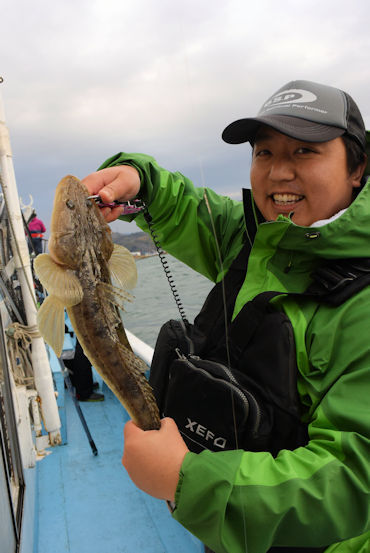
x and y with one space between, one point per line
50 320
114 295
58 281
122 268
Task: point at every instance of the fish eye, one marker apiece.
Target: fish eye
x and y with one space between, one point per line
88 203
70 204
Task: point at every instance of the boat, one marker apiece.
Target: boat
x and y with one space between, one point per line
62 485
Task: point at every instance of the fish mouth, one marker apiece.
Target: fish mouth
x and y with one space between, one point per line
286 200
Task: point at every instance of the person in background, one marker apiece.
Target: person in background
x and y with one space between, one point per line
80 373
311 204
37 229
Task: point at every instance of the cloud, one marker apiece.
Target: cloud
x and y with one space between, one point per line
87 79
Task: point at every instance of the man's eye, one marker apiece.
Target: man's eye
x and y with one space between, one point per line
261 152
304 150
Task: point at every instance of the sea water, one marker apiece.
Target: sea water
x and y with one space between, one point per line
153 302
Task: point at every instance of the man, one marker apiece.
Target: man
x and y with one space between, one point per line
307 170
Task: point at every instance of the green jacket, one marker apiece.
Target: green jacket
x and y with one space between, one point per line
241 501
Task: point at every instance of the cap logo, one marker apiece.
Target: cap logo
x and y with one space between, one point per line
292 96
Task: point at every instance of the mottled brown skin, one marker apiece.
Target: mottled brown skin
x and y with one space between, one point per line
81 240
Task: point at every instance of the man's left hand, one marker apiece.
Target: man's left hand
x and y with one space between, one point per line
153 458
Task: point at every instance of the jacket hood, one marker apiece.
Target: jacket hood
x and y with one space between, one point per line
347 236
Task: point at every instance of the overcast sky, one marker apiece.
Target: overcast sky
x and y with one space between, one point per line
85 79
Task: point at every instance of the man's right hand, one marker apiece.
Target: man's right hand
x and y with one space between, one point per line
113 183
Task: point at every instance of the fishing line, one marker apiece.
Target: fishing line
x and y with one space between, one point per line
224 305
202 179
227 350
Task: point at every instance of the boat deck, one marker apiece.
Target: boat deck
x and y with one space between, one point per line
87 503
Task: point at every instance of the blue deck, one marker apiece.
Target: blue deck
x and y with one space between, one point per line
87 503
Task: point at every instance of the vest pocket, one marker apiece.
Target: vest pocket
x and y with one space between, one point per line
212 409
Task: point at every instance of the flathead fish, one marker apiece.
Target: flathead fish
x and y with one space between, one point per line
88 275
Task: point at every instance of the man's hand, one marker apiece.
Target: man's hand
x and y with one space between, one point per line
113 183
153 458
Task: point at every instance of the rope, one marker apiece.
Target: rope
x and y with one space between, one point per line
19 340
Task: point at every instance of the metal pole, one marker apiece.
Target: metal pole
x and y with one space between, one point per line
69 386
40 362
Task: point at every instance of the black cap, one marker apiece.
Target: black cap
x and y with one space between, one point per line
306 111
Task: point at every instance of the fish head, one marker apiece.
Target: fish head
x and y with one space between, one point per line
77 225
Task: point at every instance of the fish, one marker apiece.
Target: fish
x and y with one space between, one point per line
89 276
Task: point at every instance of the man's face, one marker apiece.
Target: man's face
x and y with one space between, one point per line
309 179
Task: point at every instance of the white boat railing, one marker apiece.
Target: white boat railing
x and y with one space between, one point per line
22 264
140 348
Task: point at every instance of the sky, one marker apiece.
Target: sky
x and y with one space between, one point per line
86 79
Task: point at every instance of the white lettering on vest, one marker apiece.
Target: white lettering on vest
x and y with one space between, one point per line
201 430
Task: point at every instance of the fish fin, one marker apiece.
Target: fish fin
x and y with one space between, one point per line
58 281
114 295
122 268
135 361
50 320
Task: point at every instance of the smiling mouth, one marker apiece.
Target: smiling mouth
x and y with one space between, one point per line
286 199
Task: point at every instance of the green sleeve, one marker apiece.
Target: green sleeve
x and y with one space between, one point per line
181 219
317 495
